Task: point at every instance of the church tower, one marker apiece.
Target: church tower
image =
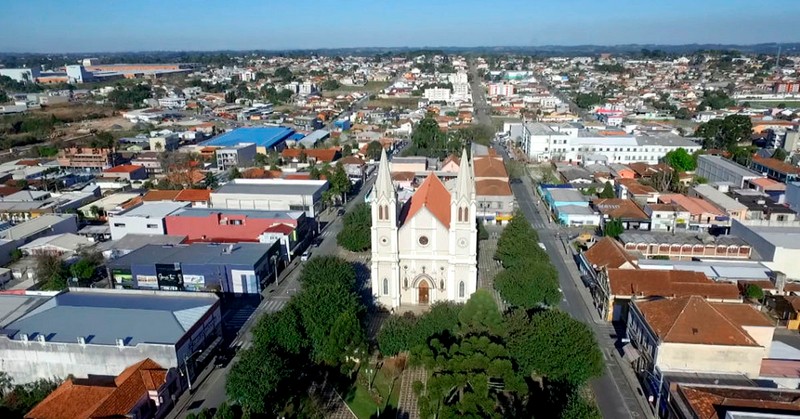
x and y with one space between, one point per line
463 273
385 266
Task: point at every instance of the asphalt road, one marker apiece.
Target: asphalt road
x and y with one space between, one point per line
614 397
482 111
210 393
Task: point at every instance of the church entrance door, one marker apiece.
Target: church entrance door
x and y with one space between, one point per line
423 292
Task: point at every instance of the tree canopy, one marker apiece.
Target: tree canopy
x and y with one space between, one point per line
613 228
517 242
374 149
356 234
608 191
727 133
680 160
529 284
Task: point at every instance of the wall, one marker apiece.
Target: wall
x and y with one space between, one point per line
711 358
122 225
268 202
30 361
434 256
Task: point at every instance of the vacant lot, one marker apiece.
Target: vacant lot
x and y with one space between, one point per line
370 87
402 102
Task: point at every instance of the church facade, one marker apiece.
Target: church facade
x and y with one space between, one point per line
425 250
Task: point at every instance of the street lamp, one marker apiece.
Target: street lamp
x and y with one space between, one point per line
186 359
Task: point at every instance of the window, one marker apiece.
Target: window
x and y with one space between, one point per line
152 226
236 222
423 240
460 214
461 289
385 286
119 225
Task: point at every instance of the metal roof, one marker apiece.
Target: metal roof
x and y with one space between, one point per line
197 253
284 187
205 212
102 317
261 136
37 225
152 209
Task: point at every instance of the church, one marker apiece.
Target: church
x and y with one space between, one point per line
425 250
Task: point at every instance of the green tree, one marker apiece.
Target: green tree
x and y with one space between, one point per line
3 96
340 183
234 173
284 74
428 140
715 99
225 411
567 350
528 285
330 84
483 234
579 407
518 242
255 377
282 331
84 270
683 113
588 100
230 96
210 180
608 191
780 154
725 133
680 160
356 234
753 292
51 272
400 334
481 315
19 399
613 228
328 270
374 149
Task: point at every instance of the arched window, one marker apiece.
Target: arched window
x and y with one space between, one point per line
385 286
460 214
466 214
385 212
461 289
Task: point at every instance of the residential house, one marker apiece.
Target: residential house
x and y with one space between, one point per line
146 218
715 401
624 210
126 172
143 390
704 215
632 189
734 209
667 217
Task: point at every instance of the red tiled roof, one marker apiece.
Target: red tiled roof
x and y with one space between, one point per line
694 320
620 208
194 195
319 154
776 165
160 195
78 401
609 253
637 188
8 190
492 187
710 402
489 167
124 168
433 195
280 228
669 284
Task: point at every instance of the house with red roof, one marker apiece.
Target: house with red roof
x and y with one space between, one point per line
127 172
143 390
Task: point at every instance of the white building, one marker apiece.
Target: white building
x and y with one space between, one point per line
573 143
306 88
437 94
778 243
717 169
172 102
457 78
461 91
22 75
501 89
239 155
271 194
147 218
426 250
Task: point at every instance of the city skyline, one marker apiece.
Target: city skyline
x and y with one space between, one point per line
239 25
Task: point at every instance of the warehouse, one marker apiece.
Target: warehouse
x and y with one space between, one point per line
265 138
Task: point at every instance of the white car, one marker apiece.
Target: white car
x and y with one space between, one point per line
304 257
542 246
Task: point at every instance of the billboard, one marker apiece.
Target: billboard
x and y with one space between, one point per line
147 281
170 276
194 282
122 278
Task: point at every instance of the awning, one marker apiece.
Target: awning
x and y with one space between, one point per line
629 353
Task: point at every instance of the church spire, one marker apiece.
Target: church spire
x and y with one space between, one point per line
465 183
383 184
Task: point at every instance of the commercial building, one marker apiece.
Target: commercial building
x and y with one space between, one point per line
238 155
776 169
501 89
46 225
732 208
88 331
690 334
166 142
88 158
793 196
778 243
717 169
272 195
265 138
146 218
685 245
242 268
126 172
574 143
437 94
690 400
21 75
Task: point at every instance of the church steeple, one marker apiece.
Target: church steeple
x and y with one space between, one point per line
465 182
383 184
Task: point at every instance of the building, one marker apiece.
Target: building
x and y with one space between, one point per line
64 245
143 390
626 211
493 194
437 94
501 89
704 216
691 334
236 226
574 143
127 172
242 268
46 225
778 243
667 217
626 285
793 196
775 169
169 141
265 138
682 246
271 195
732 208
632 189
146 218
426 250
238 155
21 75
717 169
607 253
93 159
714 401
89 332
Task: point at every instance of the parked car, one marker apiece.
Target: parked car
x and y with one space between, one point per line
304 257
222 359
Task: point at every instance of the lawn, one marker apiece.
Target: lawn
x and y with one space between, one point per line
384 396
402 102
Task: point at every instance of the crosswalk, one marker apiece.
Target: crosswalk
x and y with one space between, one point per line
272 306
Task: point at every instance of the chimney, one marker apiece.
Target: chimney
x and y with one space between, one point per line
41 338
81 340
780 282
120 343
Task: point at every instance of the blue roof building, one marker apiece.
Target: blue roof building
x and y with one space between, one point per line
263 137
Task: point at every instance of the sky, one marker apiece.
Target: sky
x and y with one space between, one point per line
148 25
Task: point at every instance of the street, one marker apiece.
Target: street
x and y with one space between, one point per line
209 393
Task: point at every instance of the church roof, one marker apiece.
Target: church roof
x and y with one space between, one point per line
433 195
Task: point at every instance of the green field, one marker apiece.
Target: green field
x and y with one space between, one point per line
773 103
364 404
403 102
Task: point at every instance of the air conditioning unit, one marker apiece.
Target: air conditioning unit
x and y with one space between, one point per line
23 337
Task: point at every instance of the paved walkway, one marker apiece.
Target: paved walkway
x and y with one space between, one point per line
488 268
407 407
